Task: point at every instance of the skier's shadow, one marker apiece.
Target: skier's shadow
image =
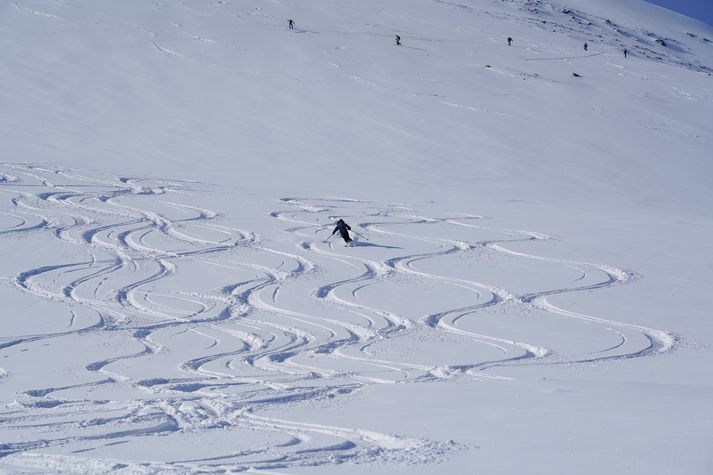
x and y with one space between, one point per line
368 244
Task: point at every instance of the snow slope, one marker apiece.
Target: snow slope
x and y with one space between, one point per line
530 289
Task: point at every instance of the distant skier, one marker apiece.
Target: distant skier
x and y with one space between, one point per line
625 52
509 41
586 46
343 229
291 24
398 40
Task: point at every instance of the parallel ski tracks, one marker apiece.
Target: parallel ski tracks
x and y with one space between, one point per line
258 351
250 348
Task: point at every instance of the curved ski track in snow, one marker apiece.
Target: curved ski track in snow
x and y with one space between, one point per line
262 328
186 359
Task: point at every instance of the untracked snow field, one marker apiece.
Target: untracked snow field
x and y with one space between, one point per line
530 285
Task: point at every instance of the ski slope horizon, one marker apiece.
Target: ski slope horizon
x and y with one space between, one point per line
699 10
529 287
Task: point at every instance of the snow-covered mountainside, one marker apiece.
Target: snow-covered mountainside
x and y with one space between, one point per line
529 285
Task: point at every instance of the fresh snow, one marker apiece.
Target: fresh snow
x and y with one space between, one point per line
529 290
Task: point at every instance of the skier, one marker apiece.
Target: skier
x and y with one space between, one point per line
291 24
586 46
398 40
343 229
509 41
625 52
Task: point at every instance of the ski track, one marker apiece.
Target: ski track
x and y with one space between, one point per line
219 358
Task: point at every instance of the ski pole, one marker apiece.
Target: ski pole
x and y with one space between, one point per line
360 235
330 237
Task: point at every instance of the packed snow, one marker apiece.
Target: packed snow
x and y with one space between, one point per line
529 285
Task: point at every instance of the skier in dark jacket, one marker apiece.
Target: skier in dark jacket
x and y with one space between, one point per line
398 40
343 229
509 41
586 46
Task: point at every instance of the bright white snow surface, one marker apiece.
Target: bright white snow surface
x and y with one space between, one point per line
531 294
